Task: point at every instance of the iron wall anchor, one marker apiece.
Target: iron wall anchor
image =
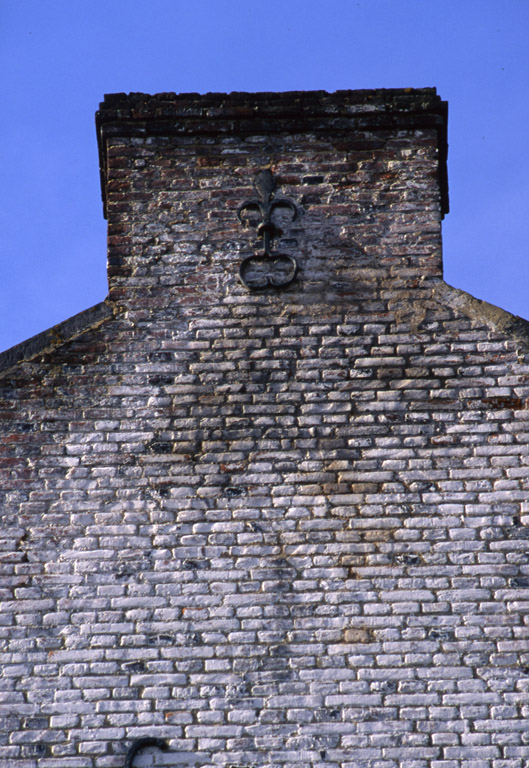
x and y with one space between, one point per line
140 744
267 269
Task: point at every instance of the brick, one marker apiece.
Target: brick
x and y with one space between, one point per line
283 525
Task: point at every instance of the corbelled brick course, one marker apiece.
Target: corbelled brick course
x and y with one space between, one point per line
278 527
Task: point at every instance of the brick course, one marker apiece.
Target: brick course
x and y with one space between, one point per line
278 527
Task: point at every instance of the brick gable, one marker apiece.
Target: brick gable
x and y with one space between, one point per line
278 526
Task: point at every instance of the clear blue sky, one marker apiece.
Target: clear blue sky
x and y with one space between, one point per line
58 58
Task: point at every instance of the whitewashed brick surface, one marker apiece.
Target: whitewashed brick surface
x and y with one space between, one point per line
279 528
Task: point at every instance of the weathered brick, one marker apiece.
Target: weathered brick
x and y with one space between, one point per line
274 526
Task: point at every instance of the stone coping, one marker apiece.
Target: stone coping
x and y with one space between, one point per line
55 336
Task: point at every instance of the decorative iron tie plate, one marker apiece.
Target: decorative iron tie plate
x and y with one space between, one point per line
268 269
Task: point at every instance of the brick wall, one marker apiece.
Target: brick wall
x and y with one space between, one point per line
274 527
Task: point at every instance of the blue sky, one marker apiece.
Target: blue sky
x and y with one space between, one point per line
58 58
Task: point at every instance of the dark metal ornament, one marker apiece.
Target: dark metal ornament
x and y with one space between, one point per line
139 744
276 270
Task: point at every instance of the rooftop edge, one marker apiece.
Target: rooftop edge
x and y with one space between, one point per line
55 336
140 114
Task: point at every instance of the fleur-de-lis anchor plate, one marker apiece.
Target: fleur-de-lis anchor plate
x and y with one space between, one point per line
267 269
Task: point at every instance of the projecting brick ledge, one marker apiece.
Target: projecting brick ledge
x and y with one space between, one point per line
143 105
